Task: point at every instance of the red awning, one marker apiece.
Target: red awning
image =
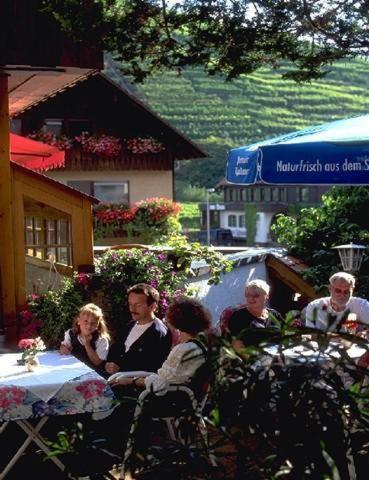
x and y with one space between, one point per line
35 155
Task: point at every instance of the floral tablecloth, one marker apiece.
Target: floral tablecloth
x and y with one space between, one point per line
83 394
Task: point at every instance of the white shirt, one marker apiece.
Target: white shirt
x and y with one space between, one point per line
180 366
135 333
318 312
102 344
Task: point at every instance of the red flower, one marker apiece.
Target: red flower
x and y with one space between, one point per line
82 279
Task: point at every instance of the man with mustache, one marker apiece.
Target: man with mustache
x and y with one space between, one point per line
146 341
331 313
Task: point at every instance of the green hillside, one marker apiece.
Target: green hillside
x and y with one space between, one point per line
220 115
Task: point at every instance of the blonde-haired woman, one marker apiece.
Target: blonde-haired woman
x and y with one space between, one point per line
88 339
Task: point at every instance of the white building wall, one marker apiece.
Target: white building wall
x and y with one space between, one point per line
263 227
231 290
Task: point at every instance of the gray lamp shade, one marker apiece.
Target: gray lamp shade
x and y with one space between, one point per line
351 256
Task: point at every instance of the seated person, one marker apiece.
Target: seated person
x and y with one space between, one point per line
146 341
190 318
254 315
329 313
88 339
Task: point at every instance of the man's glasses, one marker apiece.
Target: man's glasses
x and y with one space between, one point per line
347 291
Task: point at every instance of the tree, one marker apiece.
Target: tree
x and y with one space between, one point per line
226 37
310 235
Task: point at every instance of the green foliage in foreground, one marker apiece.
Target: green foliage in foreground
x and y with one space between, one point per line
341 219
221 115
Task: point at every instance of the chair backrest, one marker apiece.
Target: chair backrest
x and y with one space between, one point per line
200 381
226 315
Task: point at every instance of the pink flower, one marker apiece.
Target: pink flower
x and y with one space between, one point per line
91 388
26 343
11 396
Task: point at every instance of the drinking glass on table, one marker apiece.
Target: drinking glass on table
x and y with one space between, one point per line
350 325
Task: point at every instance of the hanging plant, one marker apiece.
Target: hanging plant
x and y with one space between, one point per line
144 145
105 145
62 142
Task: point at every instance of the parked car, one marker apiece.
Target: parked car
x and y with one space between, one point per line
218 236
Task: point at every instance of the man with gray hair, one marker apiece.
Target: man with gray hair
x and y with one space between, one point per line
330 313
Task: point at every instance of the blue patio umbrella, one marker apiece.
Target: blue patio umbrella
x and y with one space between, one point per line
332 153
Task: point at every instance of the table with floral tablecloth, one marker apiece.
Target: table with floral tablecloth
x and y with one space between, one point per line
60 385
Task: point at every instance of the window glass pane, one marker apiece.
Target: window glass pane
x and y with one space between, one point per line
111 192
275 194
38 222
53 125
39 253
282 194
232 220
267 194
241 221
257 196
28 222
63 255
51 232
39 237
63 232
304 194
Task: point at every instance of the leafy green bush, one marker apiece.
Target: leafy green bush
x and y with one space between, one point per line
189 216
292 416
310 235
52 313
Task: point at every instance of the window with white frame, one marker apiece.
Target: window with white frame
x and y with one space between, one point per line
53 125
232 221
112 192
109 192
241 221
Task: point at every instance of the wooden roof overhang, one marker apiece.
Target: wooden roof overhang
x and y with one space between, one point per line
131 116
30 86
289 271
